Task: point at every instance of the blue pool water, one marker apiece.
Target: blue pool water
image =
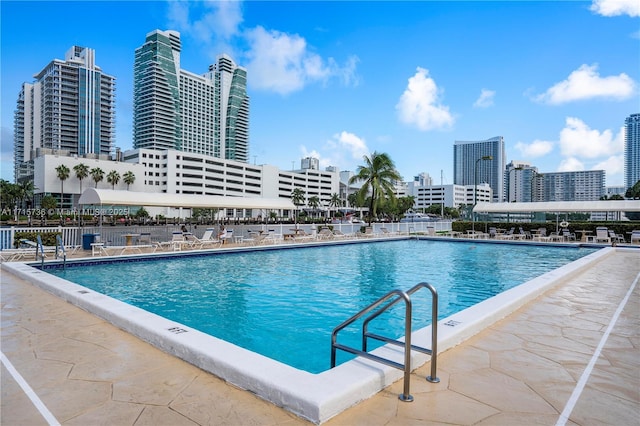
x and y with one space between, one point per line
285 303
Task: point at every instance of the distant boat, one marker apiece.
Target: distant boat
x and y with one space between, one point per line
418 217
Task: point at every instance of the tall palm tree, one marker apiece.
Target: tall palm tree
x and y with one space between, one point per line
113 178
97 175
378 175
297 198
335 201
82 172
62 172
129 178
314 202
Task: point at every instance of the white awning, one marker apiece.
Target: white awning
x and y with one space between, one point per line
110 197
560 206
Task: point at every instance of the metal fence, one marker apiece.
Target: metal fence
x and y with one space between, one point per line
115 235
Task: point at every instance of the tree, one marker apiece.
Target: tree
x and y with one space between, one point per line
297 197
62 172
378 175
113 178
97 175
82 172
633 192
25 191
48 203
314 202
129 178
335 201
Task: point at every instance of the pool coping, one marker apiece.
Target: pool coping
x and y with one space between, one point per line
315 397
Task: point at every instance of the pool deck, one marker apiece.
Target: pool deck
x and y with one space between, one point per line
571 356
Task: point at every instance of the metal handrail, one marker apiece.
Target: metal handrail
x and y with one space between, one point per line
398 294
60 248
394 297
434 329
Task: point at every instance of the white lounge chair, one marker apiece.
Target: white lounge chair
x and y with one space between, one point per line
207 239
635 236
602 235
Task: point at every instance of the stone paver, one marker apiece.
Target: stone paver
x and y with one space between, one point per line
521 370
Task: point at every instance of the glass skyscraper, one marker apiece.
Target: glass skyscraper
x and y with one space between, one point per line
176 109
465 161
69 107
631 150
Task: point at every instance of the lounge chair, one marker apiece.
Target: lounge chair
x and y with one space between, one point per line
541 235
339 234
256 237
568 235
325 234
507 235
176 242
226 235
207 239
602 235
617 238
635 236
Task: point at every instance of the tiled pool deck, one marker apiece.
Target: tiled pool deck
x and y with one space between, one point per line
572 356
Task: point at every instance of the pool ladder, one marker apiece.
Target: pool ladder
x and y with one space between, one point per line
374 310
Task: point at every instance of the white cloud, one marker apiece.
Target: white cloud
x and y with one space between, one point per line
486 99
613 165
282 63
586 83
419 105
535 149
216 19
616 7
570 164
578 139
339 151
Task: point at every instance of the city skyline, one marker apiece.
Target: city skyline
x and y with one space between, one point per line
556 80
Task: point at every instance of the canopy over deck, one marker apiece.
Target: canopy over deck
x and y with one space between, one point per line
560 207
93 196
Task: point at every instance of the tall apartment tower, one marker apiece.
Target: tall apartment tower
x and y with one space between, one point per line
631 150
519 181
176 109
69 107
470 169
586 185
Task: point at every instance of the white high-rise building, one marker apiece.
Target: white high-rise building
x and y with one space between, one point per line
69 107
519 181
477 162
177 109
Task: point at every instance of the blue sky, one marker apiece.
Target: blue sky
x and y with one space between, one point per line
339 80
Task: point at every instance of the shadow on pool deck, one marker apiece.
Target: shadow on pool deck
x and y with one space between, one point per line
525 369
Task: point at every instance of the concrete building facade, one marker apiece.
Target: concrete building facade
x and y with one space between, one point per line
69 107
631 150
469 168
175 109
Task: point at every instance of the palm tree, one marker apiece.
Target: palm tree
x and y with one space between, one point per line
113 178
25 191
297 197
97 175
378 175
128 178
82 172
335 201
62 172
314 202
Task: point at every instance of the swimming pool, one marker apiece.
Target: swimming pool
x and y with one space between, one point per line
285 303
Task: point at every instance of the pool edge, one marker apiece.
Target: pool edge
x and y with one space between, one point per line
314 397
